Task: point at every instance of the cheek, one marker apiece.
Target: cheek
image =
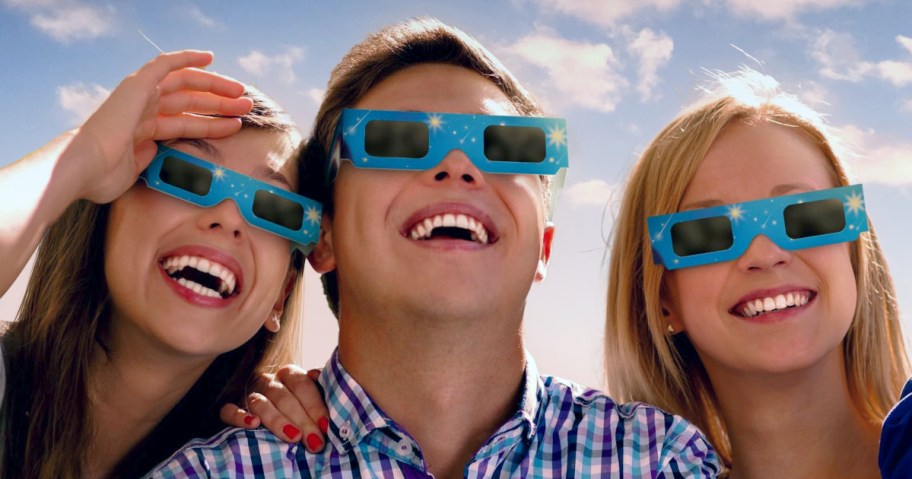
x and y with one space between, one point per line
695 293
523 196
834 267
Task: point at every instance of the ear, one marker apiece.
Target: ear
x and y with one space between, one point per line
547 238
274 322
322 258
673 322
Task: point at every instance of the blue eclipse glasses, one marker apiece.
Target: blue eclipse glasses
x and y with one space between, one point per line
409 140
261 204
723 233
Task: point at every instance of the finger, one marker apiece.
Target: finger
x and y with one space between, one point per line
232 415
272 419
307 408
314 374
203 103
288 406
192 126
159 67
304 388
201 80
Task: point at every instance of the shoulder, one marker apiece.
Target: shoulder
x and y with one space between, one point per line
634 431
896 438
233 452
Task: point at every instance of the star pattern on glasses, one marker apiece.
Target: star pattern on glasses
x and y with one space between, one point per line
312 215
854 203
435 122
557 136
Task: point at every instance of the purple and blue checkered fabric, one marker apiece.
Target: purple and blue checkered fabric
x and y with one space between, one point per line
560 430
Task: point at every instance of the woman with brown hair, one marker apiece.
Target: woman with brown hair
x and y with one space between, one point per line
145 313
732 301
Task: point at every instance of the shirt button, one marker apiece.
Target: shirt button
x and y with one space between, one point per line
345 431
404 447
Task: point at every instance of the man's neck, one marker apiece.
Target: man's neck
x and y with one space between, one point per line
789 425
450 385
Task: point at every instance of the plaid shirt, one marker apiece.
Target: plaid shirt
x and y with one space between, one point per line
560 429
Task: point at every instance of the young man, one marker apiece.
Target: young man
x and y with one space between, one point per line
436 226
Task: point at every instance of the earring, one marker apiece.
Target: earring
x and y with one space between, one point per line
276 320
671 328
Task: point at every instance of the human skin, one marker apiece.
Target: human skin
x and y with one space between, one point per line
779 377
432 329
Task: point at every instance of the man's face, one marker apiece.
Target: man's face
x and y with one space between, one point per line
448 242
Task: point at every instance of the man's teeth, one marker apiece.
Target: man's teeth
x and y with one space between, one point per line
225 278
423 229
758 306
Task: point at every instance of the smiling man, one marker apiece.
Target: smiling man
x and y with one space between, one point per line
438 171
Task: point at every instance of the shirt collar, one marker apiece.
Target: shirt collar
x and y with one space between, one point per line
353 415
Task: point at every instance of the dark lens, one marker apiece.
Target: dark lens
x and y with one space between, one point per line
396 139
702 236
278 210
814 218
186 176
519 144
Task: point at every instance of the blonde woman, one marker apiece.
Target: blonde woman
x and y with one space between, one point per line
788 355
144 311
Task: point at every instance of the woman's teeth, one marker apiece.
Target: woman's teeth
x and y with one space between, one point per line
200 275
756 307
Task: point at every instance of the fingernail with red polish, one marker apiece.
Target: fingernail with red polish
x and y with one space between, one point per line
323 424
314 443
248 420
291 431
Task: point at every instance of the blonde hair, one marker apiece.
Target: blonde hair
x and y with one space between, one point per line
646 363
49 349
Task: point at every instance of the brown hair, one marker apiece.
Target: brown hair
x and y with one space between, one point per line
44 423
646 363
381 54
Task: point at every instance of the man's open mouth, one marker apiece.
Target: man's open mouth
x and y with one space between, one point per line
450 226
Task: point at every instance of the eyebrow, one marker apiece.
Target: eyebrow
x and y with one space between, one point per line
262 172
778 190
271 174
200 144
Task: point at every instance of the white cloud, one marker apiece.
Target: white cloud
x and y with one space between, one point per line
877 159
196 14
813 94
897 73
653 50
582 73
589 193
785 9
81 100
838 57
907 105
316 94
905 42
607 13
280 65
67 20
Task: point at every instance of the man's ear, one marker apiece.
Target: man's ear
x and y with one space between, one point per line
547 238
322 258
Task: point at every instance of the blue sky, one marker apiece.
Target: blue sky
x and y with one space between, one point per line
617 70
